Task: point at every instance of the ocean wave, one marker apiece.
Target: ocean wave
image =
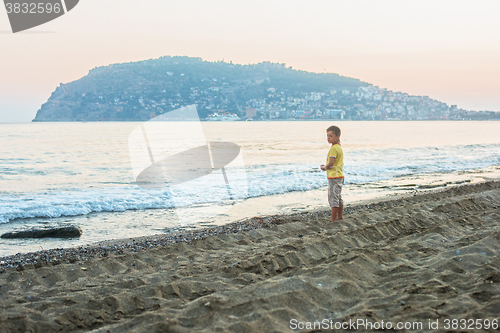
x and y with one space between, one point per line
361 167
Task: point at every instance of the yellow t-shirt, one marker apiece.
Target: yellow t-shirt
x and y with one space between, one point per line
337 171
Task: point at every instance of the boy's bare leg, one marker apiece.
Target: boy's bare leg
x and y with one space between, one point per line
334 213
339 212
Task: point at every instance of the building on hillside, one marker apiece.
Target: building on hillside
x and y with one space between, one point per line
251 112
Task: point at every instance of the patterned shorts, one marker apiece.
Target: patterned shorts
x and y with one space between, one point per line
335 192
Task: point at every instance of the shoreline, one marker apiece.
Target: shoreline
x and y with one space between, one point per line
265 206
120 246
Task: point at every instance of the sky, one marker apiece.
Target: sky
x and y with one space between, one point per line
447 49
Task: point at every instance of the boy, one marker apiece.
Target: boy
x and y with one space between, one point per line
334 172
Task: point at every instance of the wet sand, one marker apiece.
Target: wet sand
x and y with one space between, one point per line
410 259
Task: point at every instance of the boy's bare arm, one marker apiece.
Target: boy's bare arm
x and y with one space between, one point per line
331 160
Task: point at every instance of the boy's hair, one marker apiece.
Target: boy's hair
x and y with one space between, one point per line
333 129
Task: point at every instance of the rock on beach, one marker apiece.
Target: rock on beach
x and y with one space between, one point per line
55 232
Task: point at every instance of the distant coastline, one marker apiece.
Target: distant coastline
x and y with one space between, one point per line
276 120
142 90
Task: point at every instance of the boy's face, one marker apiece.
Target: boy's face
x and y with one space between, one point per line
332 138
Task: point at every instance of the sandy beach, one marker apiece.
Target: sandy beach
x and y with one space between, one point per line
427 258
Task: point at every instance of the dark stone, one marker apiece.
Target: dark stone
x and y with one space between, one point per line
55 232
73 260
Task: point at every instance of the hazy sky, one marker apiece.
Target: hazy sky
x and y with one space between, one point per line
445 49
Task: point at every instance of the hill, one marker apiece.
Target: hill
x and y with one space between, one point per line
139 90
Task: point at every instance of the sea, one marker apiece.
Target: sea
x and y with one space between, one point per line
85 173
